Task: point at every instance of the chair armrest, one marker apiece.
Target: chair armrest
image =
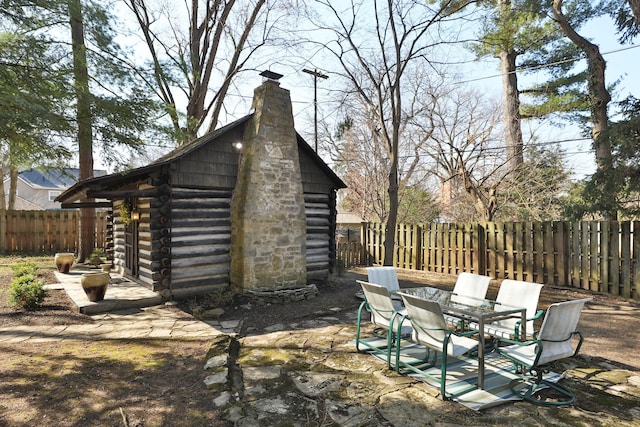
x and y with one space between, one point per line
497 341
465 333
399 318
571 335
538 315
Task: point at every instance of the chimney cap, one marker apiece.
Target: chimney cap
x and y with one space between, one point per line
270 75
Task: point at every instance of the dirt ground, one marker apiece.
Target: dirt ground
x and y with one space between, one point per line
158 383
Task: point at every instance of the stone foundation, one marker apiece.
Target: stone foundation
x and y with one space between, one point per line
282 295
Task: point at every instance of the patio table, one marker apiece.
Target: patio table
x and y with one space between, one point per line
482 311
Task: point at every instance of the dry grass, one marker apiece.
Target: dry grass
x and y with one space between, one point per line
116 382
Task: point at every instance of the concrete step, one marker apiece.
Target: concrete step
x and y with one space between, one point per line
122 293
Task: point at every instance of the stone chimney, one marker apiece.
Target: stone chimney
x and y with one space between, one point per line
268 231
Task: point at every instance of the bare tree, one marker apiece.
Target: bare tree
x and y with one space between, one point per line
364 161
200 64
375 44
537 191
357 153
466 151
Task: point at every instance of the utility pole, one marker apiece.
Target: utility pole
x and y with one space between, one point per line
315 74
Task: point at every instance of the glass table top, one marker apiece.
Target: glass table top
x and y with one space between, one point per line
450 301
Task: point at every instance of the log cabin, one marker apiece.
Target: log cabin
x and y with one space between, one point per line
249 206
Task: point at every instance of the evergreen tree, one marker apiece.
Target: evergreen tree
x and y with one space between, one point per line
33 96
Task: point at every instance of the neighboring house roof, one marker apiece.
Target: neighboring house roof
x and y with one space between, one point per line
25 205
76 191
54 179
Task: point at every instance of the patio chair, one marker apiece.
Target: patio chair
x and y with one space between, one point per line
385 318
515 293
430 329
387 277
469 289
554 341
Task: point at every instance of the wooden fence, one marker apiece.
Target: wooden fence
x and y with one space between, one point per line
601 256
40 232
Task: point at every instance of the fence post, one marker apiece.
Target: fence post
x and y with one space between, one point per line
364 233
478 234
418 246
635 263
561 237
625 259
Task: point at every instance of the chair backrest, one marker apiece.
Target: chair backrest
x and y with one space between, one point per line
380 303
385 276
470 288
557 330
519 294
427 320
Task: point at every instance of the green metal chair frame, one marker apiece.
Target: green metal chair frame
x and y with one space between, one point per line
515 293
430 329
554 341
384 316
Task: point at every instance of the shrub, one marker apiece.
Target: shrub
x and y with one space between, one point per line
24 268
96 257
26 291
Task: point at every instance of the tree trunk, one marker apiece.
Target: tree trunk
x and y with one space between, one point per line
511 106
13 188
392 220
510 100
83 113
600 97
635 9
3 199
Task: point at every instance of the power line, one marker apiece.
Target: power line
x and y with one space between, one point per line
538 67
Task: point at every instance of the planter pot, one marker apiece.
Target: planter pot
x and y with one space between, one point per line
64 261
105 267
95 285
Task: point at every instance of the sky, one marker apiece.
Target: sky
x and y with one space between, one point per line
483 75
622 65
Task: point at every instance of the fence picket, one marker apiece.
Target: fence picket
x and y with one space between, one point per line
35 232
597 256
635 264
625 259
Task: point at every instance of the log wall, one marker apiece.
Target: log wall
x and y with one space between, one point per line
200 238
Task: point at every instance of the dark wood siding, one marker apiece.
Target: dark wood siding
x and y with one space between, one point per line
214 165
314 179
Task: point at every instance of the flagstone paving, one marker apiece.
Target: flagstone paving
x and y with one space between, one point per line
309 373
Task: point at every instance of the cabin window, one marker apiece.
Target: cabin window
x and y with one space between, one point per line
53 195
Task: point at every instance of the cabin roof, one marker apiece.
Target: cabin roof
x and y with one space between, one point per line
78 190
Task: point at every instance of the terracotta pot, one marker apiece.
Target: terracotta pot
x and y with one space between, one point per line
105 267
95 285
64 261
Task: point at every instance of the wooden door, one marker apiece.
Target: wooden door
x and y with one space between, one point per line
131 248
